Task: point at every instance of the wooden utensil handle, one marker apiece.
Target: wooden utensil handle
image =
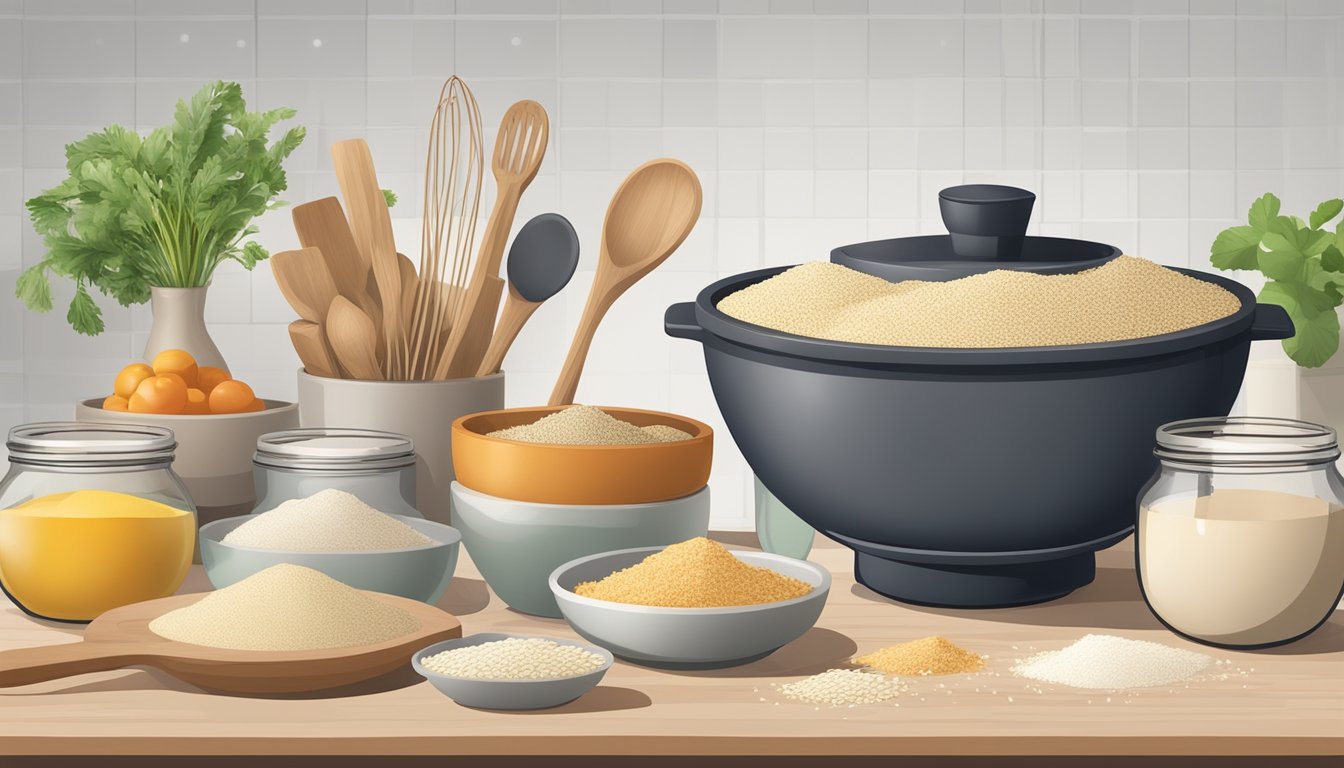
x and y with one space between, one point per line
473 327
599 301
516 312
23 666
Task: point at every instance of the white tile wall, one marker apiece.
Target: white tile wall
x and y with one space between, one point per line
1147 124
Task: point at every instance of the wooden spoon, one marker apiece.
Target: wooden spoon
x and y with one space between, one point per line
311 344
372 227
651 214
519 149
541 261
410 281
122 638
354 339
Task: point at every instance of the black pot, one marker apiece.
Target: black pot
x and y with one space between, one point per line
965 477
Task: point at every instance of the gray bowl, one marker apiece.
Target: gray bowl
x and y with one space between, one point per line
516 544
510 694
689 638
420 573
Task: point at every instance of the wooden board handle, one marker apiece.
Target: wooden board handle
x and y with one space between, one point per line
24 666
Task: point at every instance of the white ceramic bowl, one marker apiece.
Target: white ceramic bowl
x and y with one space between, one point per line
688 638
214 451
422 410
510 694
516 544
420 573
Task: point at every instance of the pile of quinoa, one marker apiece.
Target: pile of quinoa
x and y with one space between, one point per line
586 425
1127 298
697 573
925 656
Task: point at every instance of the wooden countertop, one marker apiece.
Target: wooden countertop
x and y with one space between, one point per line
1287 702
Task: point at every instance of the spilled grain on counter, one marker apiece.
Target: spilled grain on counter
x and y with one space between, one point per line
925 656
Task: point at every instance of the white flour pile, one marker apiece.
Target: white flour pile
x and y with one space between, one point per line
1106 662
327 521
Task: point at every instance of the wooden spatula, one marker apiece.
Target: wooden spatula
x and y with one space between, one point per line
372 227
519 149
122 638
311 344
322 224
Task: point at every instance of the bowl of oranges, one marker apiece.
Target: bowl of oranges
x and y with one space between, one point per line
216 418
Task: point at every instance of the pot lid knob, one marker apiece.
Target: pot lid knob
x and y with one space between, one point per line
988 222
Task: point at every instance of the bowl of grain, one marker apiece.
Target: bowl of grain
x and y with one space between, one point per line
582 454
692 605
516 544
512 672
979 438
336 533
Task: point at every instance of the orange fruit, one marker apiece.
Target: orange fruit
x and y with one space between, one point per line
129 378
257 405
198 403
231 396
208 377
159 394
114 403
176 361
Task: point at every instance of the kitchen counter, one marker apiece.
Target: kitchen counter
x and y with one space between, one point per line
1287 702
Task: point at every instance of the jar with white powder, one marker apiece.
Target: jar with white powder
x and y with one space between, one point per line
1241 531
378 467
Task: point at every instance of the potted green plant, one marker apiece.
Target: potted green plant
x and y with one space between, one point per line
1302 262
152 218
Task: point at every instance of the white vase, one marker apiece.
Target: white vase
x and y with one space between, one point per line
179 323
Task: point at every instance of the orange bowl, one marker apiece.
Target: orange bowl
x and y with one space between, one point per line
543 473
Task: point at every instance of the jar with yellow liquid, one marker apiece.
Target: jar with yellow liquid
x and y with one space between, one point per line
92 517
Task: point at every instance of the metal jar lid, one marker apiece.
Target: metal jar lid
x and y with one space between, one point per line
336 450
78 444
1246 441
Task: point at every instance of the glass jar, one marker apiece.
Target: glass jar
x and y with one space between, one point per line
92 517
1241 531
378 467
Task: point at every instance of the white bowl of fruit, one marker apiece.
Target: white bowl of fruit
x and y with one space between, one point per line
216 419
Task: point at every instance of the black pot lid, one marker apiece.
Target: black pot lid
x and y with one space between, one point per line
987 225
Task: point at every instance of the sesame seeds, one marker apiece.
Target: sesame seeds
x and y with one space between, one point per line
515 658
842 687
586 425
1127 298
697 573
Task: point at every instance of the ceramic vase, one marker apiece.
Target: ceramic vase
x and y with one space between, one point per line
179 323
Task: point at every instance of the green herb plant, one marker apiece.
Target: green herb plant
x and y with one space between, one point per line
162 211
1304 262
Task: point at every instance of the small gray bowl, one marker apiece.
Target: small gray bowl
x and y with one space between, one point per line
516 544
510 694
420 573
689 638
